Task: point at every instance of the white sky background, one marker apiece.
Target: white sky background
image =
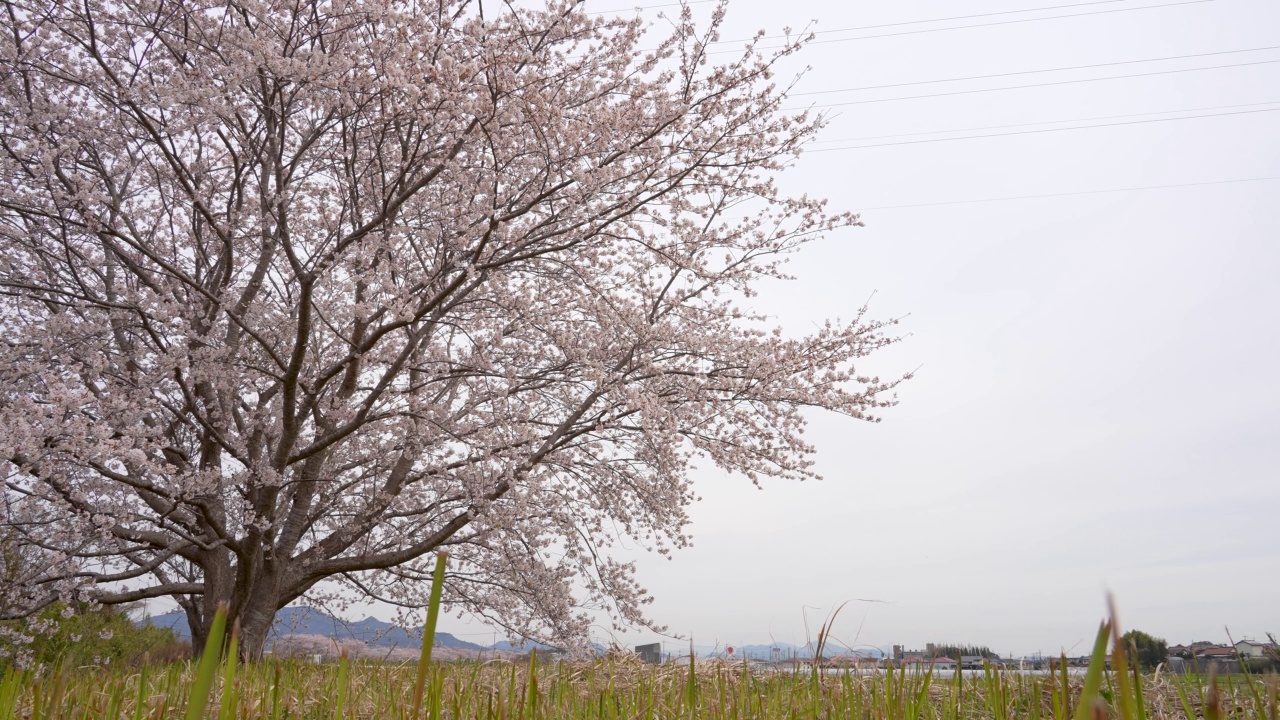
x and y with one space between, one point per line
1097 404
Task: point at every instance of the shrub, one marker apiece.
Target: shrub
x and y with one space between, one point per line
1151 650
81 635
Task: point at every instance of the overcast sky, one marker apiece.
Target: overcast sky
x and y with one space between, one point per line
1097 406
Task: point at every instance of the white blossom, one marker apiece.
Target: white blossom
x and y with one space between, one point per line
294 296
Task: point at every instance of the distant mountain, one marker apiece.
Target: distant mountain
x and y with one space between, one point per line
310 621
375 632
524 647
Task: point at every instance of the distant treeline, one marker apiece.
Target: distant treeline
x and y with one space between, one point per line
956 651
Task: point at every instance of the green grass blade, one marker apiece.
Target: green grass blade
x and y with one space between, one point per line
531 690
1181 689
275 692
1093 676
339 710
691 690
1273 699
429 632
10 690
140 705
227 709
1124 696
208 667
1139 700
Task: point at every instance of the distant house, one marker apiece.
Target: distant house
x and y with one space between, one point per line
1216 652
848 660
944 663
918 663
971 662
852 658
1248 649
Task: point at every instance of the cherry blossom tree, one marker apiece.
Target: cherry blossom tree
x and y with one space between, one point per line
296 294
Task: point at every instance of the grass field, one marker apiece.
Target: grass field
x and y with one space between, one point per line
619 688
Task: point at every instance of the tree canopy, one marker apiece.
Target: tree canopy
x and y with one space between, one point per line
955 652
82 635
1151 650
295 294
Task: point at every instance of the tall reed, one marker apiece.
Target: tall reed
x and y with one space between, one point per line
621 688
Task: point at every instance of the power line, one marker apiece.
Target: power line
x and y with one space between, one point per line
1035 85
1046 122
1045 130
1073 194
980 25
931 20
1034 72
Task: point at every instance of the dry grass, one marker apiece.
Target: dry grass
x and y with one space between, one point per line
620 688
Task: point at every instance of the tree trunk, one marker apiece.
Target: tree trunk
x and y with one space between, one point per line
254 604
255 624
250 597
195 622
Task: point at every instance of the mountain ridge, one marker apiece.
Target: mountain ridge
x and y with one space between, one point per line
299 620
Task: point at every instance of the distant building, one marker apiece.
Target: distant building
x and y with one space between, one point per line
900 654
651 653
1216 652
1250 650
851 659
1188 652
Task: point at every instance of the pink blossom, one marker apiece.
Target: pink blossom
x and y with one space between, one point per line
295 296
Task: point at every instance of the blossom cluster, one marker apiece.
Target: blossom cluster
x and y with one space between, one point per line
295 295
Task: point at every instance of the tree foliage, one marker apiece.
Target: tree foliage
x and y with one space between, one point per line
81 635
294 294
955 652
1151 650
